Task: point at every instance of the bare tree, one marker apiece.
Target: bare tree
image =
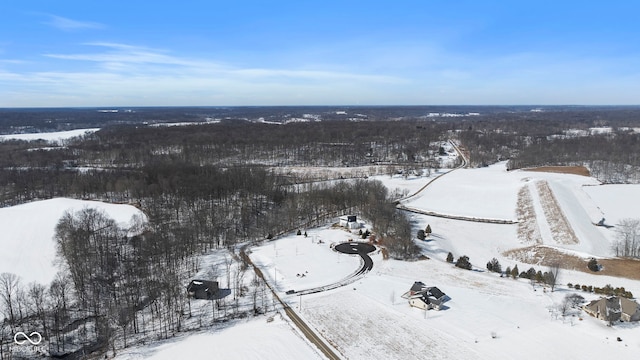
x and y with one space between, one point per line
564 306
36 301
551 277
627 238
9 288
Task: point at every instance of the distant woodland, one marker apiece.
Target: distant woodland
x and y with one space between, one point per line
222 181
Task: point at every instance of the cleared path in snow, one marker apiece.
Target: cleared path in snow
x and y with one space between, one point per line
311 335
362 249
464 164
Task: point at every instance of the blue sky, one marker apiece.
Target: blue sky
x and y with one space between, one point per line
215 53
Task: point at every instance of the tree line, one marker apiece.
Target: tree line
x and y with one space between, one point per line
114 285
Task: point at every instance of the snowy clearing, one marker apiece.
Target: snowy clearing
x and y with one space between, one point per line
254 339
298 263
27 234
53 137
487 317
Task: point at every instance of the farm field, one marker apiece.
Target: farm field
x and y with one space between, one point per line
487 316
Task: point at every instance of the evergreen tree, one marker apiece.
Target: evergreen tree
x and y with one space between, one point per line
428 230
463 262
515 272
449 257
494 265
593 265
421 235
508 271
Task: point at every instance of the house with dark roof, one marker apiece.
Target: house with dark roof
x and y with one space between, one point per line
202 289
417 287
613 308
425 297
425 302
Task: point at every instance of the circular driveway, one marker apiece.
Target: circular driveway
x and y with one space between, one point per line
355 248
361 249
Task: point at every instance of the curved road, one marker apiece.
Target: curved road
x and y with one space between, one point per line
327 350
362 249
464 164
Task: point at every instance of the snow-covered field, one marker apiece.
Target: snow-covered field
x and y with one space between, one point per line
27 231
492 193
53 137
299 263
487 316
616 202
370 320
253 339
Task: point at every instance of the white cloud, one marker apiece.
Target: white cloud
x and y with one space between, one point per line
125 59
110 73
113 74
67 24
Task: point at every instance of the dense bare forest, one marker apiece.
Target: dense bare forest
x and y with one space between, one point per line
219 182
203 187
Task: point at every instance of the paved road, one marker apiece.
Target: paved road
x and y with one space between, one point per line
465 162
327 350
362 249
359 248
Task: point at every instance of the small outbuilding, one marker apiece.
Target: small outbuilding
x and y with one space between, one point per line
202 289
349 221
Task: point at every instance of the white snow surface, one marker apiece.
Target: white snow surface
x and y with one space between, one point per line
27 234
298 263
54 137
492 193
487 317
370 320
616 202
253 339
489 192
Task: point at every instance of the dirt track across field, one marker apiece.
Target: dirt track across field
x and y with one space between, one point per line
546 256
576 170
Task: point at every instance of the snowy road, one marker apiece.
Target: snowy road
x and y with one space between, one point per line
327 350
362 249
